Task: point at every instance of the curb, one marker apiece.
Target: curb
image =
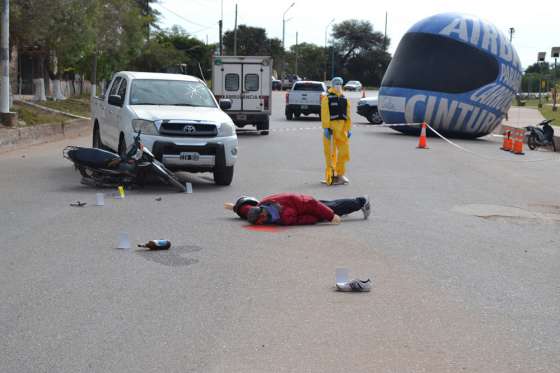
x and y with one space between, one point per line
13 138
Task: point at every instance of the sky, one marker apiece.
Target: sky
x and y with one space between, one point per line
536 24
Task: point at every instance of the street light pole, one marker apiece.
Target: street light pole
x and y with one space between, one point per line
283 42
5 58
326 53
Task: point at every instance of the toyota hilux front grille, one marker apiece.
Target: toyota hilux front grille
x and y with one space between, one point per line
188 129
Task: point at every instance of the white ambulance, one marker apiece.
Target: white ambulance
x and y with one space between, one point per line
247 82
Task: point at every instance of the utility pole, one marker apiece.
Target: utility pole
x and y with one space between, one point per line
235 33
7 118
220 25
296 52
385 35
326 52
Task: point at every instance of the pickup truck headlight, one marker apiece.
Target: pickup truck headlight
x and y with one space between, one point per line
147 127
226 129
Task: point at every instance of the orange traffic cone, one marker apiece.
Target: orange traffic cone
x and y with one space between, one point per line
508 143
518 137
422 144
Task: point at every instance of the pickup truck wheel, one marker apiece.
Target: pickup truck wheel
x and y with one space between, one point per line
263 127
373 117
122 147
96 142
223 176
289 114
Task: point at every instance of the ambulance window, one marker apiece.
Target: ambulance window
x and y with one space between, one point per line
437 63
251 82
232 82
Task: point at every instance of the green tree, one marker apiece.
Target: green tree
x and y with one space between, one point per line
253 41
311 60
360 52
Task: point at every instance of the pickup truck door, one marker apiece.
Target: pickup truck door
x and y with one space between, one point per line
252 87
113 115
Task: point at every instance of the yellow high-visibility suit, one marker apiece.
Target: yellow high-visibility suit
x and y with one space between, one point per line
337 149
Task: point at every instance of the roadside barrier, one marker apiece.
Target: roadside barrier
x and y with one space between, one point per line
507 144
518 136
487 157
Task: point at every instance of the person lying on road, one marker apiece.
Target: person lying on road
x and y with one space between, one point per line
296 209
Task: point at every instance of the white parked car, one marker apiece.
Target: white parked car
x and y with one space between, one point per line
368 107
353 85
180 120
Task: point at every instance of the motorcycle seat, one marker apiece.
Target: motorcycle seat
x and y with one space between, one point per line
93 157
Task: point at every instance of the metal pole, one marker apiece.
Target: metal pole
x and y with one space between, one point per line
235 33
296 72
220 25
326 52
5 59
385 35
332 62
554 90
540 82
283 43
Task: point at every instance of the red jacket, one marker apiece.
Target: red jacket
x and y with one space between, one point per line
295 209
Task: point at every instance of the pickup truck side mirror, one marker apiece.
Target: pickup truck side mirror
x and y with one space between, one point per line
115 100
225 103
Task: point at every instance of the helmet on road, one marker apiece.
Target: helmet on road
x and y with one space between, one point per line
244 200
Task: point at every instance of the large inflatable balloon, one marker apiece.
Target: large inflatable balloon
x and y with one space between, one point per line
454 71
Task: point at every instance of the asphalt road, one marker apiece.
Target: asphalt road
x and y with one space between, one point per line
463 252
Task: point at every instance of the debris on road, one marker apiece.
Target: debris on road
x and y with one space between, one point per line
121 191
124 241
343 284
158 199
157 245
99 199
78 204
189 188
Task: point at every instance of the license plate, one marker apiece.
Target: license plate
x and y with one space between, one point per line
189 156
241 117
304 106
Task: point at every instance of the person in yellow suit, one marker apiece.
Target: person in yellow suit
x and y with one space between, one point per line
337 125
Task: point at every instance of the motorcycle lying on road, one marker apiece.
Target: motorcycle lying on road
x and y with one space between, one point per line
541 137
102 168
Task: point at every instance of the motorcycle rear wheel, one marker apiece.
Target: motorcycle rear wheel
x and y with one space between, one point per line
532 141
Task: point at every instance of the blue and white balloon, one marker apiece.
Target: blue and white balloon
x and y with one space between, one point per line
454 71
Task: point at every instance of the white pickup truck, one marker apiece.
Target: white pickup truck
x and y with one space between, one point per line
180 121
304 98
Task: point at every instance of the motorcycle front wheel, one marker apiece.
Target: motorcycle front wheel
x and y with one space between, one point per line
532 141
167 176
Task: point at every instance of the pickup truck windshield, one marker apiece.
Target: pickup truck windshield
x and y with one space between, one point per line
170 92
308 87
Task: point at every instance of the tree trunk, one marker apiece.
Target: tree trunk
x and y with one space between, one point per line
94 75
38 79
56 75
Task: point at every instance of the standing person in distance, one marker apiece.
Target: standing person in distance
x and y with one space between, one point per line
337 125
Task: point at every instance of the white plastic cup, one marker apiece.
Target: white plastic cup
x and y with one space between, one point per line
341 275
124 241
99 199
189 188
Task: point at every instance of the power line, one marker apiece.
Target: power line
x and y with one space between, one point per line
183 18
